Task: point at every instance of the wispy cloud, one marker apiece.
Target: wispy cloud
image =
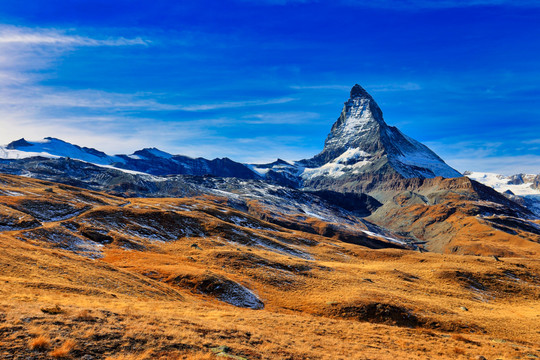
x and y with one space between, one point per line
533 141
257 150
26 55
282 118
27 36
486 156
26 52
505 165
46 97
236 104
321 87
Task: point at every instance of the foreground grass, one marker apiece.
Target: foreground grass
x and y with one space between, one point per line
313 319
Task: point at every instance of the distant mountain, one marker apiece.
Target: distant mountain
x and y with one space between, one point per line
521 188
54 148
150 160
519 184
361 145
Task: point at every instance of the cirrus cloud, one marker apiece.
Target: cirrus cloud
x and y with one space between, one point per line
28 36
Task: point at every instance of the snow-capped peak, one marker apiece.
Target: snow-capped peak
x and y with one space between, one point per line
149 153
50 147
361 143
361 129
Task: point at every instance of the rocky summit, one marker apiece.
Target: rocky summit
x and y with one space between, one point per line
361 142
360 145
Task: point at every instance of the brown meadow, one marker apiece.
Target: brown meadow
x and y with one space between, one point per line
148 287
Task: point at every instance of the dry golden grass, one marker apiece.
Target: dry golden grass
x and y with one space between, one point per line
64 350
291 324
40 343
148 355
344 302
84 315
142 356
455 223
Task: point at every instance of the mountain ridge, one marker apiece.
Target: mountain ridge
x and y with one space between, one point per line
359 142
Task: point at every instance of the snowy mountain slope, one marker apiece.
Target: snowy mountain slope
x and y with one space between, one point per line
54 148
150 160
520 184
521 188
360 143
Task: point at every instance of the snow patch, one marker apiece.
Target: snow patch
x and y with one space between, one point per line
329 169
501 183
351 155
56 148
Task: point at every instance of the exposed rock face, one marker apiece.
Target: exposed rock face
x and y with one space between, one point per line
18 144
536 182
359 148
358 126
360 142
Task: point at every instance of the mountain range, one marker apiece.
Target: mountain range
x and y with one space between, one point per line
371 182
360 143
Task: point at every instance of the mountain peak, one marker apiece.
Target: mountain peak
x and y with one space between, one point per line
51 147
360 142
153 152
360 119
18 144
358 91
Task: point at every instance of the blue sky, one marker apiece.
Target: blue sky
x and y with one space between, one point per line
257 80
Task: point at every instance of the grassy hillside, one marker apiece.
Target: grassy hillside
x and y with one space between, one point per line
85 275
